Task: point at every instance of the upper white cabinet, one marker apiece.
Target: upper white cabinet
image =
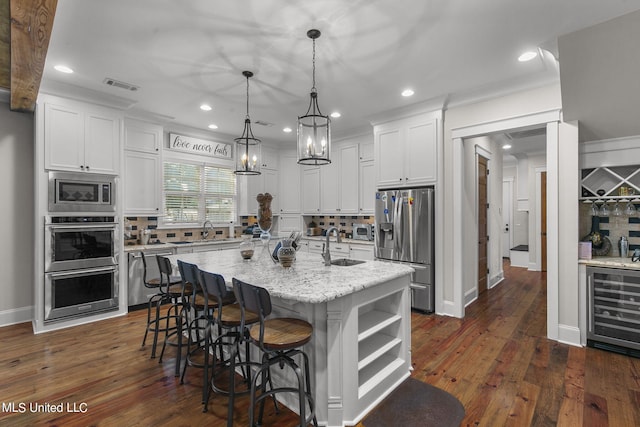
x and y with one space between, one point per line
367 186
289 184
311 190
406 151
249 186
81 138
339 181
142 169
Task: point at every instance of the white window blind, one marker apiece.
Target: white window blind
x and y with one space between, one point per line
194 193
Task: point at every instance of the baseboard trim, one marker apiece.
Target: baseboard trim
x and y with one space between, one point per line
495 280
449 309
569 335
16 315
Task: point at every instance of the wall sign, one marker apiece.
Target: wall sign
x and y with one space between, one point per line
201 147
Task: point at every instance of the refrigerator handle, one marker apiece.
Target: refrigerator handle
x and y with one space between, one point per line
397 230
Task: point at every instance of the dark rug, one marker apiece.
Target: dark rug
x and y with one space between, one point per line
415 403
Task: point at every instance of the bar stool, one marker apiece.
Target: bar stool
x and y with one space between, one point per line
202 305
231 333
280 339
154 300
178 310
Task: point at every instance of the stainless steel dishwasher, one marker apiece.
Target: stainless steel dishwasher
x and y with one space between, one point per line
138 293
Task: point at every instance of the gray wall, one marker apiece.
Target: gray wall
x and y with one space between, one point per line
16 216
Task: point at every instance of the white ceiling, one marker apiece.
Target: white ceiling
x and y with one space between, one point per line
184 53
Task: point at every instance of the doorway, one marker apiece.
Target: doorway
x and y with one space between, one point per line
507 215
483 259
543 221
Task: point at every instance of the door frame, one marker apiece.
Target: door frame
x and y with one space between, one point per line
482 152
551 119
538 171
510 180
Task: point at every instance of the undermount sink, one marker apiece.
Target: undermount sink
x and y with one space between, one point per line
345 262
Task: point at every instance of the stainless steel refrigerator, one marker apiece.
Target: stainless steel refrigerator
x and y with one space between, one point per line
405 233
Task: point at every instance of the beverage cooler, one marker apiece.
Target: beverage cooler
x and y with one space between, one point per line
614 309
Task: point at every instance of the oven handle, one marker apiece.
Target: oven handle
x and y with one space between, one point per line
72 227
83 271
134 256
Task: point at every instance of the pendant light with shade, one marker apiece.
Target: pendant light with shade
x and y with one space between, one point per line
314 129
248 155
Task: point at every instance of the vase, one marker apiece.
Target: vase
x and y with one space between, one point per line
265 221
286 253
247 248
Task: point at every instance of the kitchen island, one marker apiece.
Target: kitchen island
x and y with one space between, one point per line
361 349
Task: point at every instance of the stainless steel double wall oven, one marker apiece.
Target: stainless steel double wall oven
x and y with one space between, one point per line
82 241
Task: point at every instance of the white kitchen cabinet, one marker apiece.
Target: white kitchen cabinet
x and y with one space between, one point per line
311 191
289 188
142 184
81 139
339 250
288 223
266 182
141 136
218 246
316 246
366 151
367 187
361 252
339 181
142 169
269 158
406 151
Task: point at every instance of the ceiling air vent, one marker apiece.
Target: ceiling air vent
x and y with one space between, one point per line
121 85
261 123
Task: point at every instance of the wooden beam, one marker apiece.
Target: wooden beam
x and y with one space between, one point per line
5 45
31 24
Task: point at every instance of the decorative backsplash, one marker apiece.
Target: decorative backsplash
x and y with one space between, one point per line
344 223
168 235
613 227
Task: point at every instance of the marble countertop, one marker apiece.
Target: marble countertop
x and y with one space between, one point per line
606 261
333 240
308 280
167 245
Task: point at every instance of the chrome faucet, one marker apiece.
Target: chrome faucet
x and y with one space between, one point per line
326 254
205 232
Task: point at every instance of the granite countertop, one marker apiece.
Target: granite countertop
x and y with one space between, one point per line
607 261
308 280
166 245
333 240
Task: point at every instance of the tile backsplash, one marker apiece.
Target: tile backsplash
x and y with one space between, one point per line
170 235
613 227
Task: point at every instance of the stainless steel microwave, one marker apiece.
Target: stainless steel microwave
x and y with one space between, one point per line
362 231
81 192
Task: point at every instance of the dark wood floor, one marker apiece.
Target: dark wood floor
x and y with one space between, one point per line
496 361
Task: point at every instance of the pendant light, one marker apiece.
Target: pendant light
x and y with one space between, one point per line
248 156
314 130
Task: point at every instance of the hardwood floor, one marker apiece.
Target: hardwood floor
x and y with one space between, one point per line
496 361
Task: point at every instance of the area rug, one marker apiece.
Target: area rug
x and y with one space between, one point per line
415 403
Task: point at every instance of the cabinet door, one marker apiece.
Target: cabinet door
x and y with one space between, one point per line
311 191
270 185
366 151
367 187
289 223
255 186
269 158
421 153
330 180
362 252
101 144
348 180
142 189
389 157
289 180
64 138
142 137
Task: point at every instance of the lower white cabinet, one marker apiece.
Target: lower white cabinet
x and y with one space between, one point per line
362 252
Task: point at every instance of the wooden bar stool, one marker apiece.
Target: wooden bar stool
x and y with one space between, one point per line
280 340
155 300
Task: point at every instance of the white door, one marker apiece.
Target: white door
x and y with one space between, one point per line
507 207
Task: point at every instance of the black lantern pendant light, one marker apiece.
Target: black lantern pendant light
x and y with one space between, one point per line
314 129
248 156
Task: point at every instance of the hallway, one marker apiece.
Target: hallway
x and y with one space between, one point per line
499 364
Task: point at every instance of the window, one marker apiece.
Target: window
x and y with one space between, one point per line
194 193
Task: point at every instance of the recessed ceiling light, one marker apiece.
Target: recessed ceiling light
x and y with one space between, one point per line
407 92
212 126
527 56
205 107
506 146
335 114
63 69
287 130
